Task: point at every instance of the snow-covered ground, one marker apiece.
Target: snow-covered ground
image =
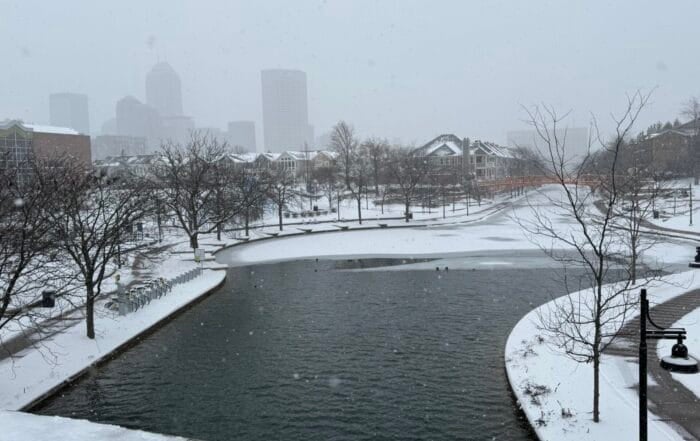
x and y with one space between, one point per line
370 210
490 230
18 426
556 393
675 211
691 323
484 230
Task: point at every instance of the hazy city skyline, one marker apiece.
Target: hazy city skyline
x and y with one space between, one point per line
468 70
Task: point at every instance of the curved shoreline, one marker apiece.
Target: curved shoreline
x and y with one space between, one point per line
29 380
554 392
120 349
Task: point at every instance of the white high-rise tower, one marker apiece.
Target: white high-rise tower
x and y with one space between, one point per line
285 109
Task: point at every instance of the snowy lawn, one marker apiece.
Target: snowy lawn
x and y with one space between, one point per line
556 393
18 426
489 231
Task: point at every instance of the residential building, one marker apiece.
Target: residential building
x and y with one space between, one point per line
70 110
126 165
671 150
489 161
484 160
285 110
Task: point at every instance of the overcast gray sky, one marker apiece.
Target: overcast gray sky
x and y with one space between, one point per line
408 69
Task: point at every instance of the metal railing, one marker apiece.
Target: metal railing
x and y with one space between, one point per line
126 302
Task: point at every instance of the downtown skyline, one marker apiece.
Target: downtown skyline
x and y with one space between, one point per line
469 71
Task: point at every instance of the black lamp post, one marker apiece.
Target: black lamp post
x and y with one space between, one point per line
679 361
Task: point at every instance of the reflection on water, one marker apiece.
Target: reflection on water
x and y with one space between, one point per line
304 351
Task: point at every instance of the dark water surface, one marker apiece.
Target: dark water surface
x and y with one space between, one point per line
311 351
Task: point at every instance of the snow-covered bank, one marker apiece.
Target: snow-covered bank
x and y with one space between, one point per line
430 241
35 373
18 426
555 392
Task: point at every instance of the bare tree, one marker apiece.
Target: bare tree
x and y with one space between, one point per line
376 150
187 177
252 191
26 248
228 200
327 180
90 220
583 324
281 189
406 171
352 164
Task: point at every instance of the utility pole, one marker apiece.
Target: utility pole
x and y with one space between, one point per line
690 197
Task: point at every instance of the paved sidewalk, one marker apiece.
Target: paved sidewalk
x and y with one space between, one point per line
668 399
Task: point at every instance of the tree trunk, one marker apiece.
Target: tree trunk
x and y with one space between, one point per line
194 241
90 313
443 205
407 204
359 208
218 232
160 229
247 220
634 266
279 214
596 385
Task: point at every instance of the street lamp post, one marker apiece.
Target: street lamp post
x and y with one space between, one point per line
679 361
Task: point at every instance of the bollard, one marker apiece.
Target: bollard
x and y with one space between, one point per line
133 304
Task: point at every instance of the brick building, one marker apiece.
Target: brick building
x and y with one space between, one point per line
20 141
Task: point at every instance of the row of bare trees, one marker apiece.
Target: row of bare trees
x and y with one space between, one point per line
374 166
61 229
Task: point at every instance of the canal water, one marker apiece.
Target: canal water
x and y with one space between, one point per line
343 350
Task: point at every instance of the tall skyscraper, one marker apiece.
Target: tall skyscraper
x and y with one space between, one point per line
242 134
163 90
285 109
70 110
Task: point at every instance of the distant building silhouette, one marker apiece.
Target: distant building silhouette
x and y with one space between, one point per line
70 110
285 109
242 134
576 142
164 90
177 128
140 120
117 145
